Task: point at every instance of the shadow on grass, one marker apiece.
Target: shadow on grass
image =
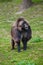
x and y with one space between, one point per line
36 39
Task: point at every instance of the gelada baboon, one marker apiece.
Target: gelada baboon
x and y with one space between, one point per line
20 31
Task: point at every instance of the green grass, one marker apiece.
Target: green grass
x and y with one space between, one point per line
37 1
34 53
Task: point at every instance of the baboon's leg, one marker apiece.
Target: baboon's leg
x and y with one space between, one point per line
18 44
12 43
24 43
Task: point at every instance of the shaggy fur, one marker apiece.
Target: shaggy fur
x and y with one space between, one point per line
20 30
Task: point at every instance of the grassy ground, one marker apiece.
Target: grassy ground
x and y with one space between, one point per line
34 52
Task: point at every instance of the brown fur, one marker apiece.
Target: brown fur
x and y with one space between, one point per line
20 26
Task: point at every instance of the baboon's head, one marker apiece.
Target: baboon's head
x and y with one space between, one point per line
22 24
